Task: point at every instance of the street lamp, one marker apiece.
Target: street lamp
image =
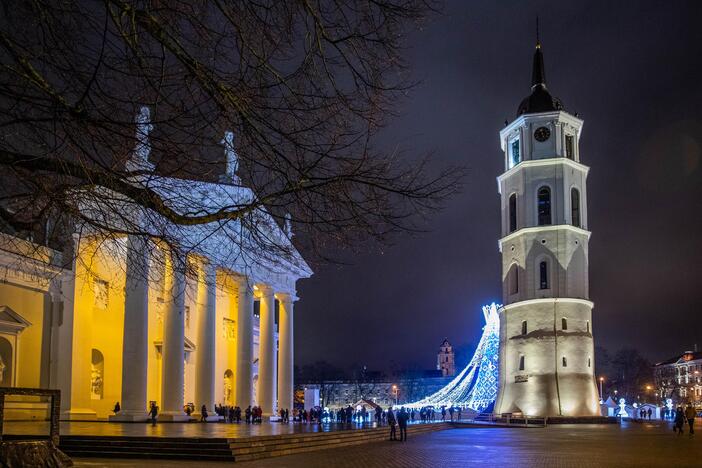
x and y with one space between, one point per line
601 380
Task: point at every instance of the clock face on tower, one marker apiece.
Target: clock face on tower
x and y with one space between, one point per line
542 134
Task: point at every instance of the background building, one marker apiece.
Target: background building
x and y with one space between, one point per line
680 378
446 359
381 391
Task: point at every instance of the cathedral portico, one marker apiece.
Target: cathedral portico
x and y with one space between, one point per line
136 319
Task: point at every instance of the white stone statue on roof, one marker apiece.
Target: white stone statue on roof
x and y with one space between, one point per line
232 159
140 157
288 226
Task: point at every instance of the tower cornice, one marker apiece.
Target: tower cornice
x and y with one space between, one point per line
540 229
541 163
548 300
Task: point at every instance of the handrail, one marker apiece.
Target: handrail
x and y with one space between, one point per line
55 396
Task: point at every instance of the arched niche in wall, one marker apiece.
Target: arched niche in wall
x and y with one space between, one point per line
97 375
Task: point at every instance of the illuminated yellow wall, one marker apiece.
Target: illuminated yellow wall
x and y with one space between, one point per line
33 306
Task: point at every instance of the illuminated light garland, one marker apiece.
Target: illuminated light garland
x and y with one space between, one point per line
475 387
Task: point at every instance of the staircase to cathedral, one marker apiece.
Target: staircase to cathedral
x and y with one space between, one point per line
205 449
256 448
223 449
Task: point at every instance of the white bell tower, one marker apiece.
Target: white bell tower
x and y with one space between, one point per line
546 343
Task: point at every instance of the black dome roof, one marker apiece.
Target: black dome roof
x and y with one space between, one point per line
540 100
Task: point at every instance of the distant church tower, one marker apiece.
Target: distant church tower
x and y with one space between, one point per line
445 360
546 343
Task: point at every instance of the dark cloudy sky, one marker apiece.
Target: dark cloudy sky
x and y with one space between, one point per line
632 70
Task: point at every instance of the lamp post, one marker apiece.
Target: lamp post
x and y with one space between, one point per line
395 391
601 380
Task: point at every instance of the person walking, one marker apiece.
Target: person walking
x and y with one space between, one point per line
247 414
402 418
679 420
690 414
203 414
391 422
153 412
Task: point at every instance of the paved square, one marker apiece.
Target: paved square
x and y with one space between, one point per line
631 445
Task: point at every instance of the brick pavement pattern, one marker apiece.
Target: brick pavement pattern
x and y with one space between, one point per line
563 446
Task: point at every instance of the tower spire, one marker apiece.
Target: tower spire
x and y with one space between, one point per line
538 77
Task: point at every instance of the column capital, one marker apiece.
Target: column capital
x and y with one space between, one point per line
285 297
263 288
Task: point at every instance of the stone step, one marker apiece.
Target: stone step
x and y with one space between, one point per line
257 451
146 455
310 448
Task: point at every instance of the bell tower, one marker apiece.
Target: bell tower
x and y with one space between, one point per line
546 342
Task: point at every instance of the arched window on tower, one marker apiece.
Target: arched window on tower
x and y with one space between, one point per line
575 207
544 206
543 275
524 327
513 279
521 362
513 212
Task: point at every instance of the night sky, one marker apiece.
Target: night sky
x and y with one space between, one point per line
632 71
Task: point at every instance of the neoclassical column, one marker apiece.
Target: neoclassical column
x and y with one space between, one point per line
136 328
75 334
285 351
266 352
173 348
244 343
205 352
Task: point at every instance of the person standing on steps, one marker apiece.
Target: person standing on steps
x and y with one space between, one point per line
391 423
402 418
153 412
203 414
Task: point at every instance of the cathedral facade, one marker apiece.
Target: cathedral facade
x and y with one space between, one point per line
546 340
128 319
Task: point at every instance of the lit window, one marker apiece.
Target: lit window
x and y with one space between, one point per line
565 362
514 156
575 207
544 206
521 362
513 212
543 275
564 323
570 146
524 327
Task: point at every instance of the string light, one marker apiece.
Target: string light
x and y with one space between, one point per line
475 387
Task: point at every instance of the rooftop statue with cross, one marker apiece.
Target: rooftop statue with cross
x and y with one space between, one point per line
140 157
232 160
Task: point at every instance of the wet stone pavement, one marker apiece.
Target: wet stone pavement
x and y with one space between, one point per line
630 445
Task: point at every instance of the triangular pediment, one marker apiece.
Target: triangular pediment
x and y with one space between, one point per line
11 321
188 345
